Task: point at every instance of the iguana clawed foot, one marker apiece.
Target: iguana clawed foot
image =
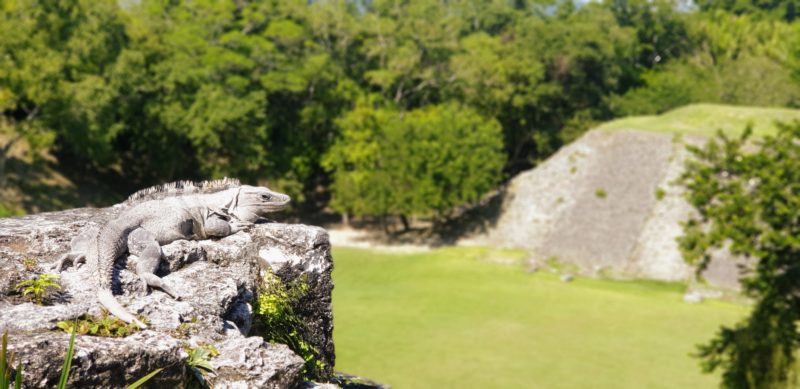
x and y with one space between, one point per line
77 260
238 225
152 280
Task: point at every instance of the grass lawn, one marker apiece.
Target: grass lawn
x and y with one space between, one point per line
706 119
452 318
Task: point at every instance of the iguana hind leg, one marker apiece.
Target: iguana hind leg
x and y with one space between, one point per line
143 244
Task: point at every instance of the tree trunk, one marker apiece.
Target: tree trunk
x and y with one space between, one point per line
385 224
4 157
406 224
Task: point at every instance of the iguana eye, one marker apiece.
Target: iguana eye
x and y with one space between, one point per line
266 197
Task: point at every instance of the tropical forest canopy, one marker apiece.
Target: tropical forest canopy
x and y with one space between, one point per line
372 107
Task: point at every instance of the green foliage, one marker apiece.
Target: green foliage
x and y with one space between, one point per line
704 120
62 382
52 81
277 321
735 60
199 362
7 211
600 193
660 193
749 80
749 203
662 30
18 377
782 9
143 380
6 361
421 162
185 328
39 287
104 325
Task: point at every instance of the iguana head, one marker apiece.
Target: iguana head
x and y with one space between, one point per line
255 202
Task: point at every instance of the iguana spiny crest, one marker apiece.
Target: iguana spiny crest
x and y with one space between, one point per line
180 188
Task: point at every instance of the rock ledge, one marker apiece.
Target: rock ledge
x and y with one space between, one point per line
217 280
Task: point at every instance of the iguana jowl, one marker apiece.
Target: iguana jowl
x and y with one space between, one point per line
171 212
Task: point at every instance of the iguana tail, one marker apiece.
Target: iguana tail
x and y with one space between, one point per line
115 308
111 242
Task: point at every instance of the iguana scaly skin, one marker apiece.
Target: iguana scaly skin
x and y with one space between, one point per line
163 214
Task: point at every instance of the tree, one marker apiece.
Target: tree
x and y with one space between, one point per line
53 62
584 56
249 89
749 202
735 60
660 28
422 162
782 9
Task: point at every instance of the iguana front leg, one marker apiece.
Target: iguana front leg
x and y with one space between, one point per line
218 225
142 243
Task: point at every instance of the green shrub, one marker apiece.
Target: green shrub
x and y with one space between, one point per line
38 287
277 321
421 162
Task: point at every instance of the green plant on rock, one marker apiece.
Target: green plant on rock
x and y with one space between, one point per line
600 193
103 325
62 382
277 321
184 329
660 193
30 264
6 361
199 362
39 287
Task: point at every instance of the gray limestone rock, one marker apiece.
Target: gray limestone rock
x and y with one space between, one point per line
251 363
216 280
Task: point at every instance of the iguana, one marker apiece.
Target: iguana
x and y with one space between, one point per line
163 214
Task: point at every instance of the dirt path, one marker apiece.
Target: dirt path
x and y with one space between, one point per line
349 237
